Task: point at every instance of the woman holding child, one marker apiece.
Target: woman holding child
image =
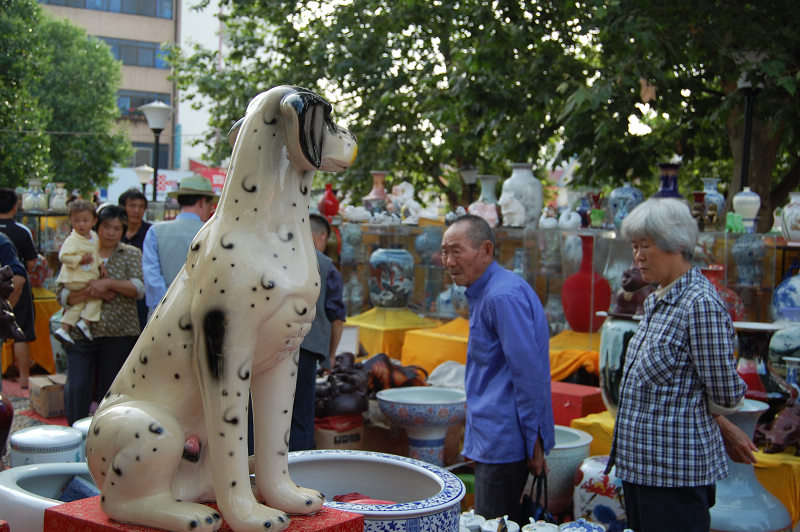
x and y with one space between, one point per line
115 334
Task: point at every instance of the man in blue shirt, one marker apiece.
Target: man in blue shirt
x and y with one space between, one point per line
167 243
509 425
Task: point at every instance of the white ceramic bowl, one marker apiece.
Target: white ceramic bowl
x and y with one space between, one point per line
45 444
26 491
572 446
427 498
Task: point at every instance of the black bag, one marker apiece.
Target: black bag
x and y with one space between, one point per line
533 507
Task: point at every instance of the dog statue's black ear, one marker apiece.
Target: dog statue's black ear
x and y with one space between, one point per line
234 132
313 115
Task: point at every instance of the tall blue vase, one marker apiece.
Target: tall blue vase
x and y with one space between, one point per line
668 173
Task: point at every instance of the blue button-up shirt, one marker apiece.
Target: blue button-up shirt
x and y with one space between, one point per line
154 285
680 358
508 370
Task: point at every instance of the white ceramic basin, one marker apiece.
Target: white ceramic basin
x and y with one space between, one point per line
572 446
26 491
425 412
427 498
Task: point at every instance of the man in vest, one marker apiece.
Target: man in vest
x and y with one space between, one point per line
167 243
319 345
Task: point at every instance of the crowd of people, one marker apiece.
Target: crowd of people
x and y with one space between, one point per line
670 438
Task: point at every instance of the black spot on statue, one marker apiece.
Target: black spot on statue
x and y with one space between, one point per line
214 332
223 244
155 428
267 285
249 189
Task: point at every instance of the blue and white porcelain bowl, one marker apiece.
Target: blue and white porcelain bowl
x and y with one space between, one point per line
426 497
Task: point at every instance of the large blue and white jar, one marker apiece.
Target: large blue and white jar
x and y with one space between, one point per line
786 298
748 252
715 198
622 200
391 277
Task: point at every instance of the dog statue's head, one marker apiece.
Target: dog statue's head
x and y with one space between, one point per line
313 141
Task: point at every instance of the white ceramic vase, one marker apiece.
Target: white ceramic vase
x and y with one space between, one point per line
527 189
746 203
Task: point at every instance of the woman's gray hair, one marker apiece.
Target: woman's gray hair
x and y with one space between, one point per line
668 221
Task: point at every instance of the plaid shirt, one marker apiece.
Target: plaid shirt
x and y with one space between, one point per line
680 357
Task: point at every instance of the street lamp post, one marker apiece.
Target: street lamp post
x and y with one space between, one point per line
156 113
144 173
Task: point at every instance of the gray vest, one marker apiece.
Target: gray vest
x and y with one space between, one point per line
318 339
173 238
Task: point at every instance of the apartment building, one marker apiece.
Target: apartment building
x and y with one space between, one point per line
136 30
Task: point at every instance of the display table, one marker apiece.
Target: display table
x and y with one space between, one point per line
45 305
778 473
85 515
382 330
569 351
428 348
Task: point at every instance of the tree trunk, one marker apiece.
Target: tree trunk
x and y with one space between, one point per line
764 144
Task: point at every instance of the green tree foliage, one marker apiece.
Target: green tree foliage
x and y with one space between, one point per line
23 148
80 89
431 86
57 101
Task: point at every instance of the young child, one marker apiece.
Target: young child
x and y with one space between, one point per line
80 263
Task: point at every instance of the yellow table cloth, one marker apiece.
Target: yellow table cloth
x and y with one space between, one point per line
778 473
428 348
382 330
45 305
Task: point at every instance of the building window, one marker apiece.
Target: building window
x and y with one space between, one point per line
143 154
129 101
145 8
137 53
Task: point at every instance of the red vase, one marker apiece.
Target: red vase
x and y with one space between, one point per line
6 418
715 273
328 205
585 293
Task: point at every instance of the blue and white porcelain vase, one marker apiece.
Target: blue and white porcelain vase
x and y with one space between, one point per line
622 200
668 173
614 337
746 203
391 277
428 242
786 296
527 189
715 198
748 252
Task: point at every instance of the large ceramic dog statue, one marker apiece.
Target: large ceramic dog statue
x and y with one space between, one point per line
172 429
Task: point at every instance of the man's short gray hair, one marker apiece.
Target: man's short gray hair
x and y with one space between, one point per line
668 221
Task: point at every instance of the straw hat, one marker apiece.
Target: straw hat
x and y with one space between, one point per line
195 185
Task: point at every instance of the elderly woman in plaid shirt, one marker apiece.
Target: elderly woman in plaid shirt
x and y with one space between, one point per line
679 376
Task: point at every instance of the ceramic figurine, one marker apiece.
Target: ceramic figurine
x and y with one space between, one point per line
401 201
511 209
172 430
629 300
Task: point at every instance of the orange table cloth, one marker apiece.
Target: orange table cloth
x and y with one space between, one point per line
45 305
778 473
428 348
382 330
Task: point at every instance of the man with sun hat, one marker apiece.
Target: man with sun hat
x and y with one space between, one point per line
167 243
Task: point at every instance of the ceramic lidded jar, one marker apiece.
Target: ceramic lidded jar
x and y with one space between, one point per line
391 277
471 521
790 219
527 189
492 525
622 200
746 203
539 526
715 198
